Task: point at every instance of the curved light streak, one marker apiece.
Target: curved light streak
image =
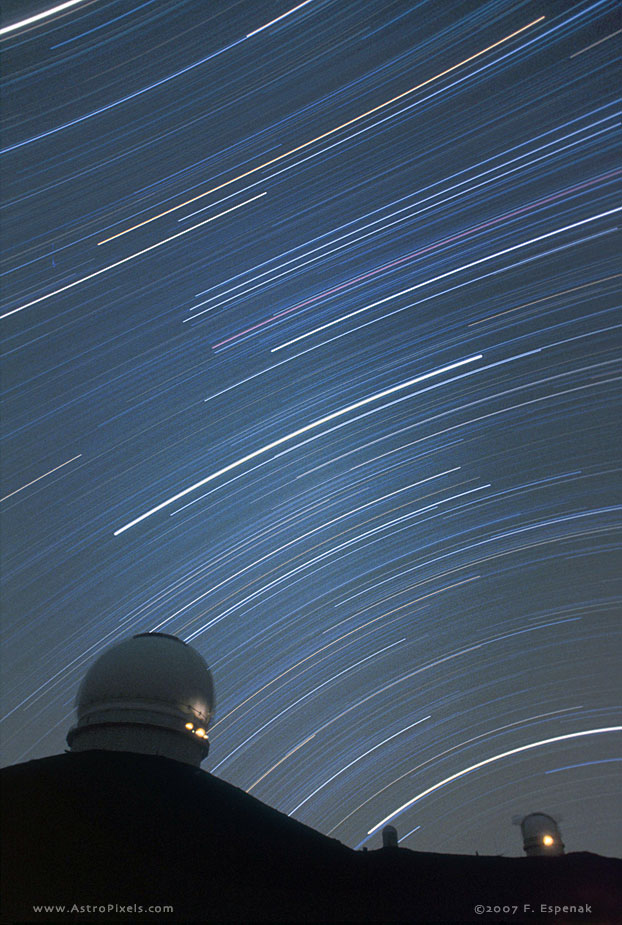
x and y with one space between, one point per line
435 279
136 93
111 266
357 759
481 764
331 131
38 479
39 16
295 433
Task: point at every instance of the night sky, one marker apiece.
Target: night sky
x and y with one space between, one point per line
310 358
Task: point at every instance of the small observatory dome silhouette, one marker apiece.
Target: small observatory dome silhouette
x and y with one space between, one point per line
541 835
152 694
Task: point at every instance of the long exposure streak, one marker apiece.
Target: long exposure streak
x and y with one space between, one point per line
297 433
330 132
481 764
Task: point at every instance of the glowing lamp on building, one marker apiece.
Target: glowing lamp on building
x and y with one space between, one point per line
541 835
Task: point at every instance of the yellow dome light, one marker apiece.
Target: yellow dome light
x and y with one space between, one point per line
189 725
200 732
548 840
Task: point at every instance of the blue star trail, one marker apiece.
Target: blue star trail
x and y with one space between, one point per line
311 332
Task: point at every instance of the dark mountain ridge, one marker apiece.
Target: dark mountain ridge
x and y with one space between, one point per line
122 831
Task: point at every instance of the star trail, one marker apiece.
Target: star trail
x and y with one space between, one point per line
311 331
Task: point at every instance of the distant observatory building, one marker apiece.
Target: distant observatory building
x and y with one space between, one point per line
152 694
541 835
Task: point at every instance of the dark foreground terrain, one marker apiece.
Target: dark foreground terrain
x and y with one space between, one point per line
109 835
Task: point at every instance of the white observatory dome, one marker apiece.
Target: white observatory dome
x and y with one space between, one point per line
152 694
541 835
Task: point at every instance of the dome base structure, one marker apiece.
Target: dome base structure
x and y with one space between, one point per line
140 739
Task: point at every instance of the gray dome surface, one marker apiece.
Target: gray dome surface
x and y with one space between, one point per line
152 668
